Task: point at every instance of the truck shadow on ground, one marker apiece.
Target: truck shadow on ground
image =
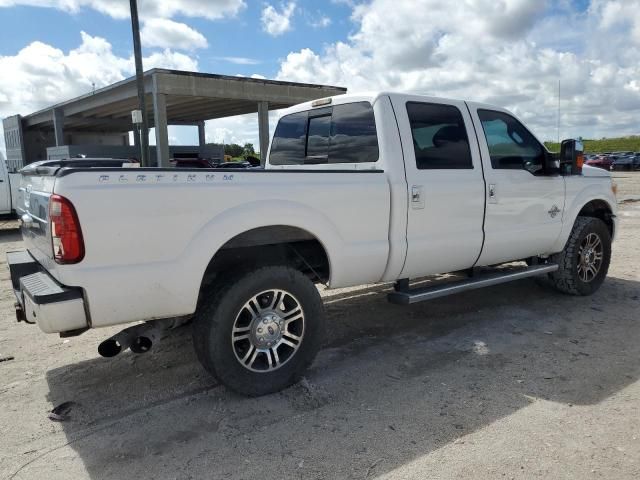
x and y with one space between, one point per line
392 384
9 234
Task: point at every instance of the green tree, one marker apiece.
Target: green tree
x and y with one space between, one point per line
248 150
233 149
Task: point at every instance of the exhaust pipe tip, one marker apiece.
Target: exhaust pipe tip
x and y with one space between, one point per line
141 344
109 348
138 338
112 346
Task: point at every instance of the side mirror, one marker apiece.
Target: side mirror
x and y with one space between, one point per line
571 157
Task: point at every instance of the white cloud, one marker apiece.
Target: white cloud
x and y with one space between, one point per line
169 59
42 75
320 22
239 60
508 52
211 9
165 33
276 22
240 129
618 14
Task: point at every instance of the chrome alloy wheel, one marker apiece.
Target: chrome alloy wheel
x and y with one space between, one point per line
590 257
268 330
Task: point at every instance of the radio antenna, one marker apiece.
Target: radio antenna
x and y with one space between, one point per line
558 111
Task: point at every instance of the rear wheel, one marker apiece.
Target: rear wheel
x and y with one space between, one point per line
584 262
260 333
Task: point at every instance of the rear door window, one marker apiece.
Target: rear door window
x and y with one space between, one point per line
341 134
439 136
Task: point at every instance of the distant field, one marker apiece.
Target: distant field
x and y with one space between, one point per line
631 144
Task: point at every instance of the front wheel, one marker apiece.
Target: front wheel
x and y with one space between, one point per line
258 334
584 262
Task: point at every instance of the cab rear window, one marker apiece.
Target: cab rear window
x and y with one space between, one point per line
339 134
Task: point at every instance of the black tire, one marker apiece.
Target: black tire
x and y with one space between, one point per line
222 309
568 278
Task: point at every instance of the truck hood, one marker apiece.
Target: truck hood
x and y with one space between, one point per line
589 171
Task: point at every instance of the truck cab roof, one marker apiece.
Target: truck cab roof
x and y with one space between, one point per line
370 97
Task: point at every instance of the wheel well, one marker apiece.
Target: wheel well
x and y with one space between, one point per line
598 209
274 245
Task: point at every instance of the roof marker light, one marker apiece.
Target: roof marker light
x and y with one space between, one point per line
321 102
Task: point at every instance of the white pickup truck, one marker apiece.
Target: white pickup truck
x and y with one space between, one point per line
356 190
9 183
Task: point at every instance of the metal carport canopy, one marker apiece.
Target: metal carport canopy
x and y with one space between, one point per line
176 98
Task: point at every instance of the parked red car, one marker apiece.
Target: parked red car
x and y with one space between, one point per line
601 161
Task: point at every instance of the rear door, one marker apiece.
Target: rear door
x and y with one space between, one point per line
524 206
445 185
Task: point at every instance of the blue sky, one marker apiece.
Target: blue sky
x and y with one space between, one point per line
508 52
239 36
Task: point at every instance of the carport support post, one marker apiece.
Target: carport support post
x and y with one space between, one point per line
201 136
263 130
162 134
58 126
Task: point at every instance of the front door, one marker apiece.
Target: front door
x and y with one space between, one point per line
524 206
444 185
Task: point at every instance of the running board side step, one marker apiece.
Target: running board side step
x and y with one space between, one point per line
407 297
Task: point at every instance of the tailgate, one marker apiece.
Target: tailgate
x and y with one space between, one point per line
32 207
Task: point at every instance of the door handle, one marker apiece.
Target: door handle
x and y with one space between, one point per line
415 194
492 193
417 199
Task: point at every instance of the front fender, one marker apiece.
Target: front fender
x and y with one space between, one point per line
579 195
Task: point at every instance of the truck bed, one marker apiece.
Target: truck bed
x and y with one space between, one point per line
144 224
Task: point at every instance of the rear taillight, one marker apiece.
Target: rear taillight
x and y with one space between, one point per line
66 236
